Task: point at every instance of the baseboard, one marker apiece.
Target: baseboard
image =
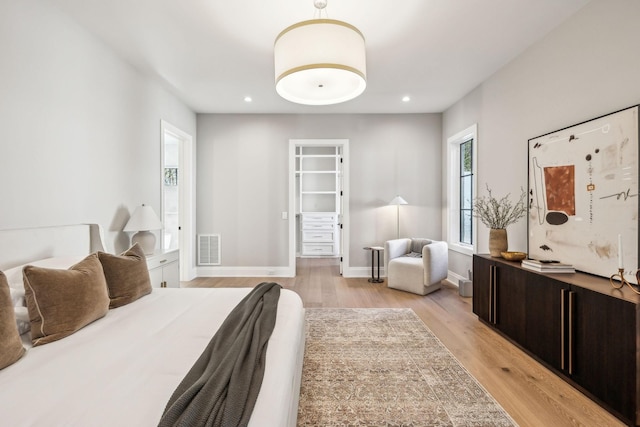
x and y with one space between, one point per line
244 272
453 278
360 272
349 272
190 274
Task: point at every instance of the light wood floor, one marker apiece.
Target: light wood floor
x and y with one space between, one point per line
530 393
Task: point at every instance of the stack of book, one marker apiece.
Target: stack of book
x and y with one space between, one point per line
547 266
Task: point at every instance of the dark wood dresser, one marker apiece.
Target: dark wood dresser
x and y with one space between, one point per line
577 325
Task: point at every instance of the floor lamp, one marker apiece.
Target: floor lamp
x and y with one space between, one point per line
398 201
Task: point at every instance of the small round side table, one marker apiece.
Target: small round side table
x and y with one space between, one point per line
375 250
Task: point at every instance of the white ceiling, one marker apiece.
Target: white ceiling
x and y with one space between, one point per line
213 53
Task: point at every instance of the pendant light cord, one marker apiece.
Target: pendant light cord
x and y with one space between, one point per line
320 5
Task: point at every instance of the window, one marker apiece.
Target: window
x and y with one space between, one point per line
466 192
462 149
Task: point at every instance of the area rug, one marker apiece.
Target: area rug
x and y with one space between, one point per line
384 367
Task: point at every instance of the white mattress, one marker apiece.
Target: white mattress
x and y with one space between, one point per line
121 369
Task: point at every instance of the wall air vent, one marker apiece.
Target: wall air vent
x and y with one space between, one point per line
208 249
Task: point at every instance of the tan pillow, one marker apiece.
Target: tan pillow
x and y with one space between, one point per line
10 344
127 275
60 302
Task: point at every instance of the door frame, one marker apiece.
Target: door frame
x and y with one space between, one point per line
344 218
186 195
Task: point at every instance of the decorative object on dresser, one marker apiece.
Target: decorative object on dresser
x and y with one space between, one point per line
583 187
617 280
416 265
397 201
513 256
577 325
547 266
498 214
143 220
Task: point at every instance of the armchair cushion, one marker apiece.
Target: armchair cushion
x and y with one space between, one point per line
418 244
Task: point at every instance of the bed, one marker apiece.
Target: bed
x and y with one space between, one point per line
122 368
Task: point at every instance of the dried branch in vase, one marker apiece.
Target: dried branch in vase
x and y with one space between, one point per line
499 213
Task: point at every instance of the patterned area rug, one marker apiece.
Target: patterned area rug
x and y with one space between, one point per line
384 367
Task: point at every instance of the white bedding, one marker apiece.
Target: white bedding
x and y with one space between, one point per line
121 369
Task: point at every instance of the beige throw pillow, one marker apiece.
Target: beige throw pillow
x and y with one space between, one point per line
127 275
10 344
61 302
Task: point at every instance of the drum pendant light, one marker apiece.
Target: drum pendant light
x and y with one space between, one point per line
320 61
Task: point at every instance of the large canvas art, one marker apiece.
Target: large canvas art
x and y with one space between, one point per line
583 195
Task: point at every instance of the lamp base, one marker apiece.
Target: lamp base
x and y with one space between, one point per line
146 240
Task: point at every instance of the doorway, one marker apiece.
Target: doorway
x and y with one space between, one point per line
177 195
318 200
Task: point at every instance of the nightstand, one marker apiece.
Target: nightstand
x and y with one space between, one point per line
164 269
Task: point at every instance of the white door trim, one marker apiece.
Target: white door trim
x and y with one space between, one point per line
344 144
186 180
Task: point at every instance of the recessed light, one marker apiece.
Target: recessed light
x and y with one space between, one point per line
247 99
406 98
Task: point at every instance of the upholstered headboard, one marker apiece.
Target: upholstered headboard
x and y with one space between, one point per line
20 246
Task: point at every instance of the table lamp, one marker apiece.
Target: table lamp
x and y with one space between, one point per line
143 220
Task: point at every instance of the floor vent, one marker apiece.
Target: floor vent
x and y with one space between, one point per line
208 249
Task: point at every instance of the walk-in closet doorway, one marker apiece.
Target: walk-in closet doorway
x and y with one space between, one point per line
318 200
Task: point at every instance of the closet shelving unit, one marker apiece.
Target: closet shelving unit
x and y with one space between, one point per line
318 199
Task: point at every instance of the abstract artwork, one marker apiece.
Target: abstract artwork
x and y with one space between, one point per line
583 194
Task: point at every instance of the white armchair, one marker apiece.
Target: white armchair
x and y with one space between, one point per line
416 265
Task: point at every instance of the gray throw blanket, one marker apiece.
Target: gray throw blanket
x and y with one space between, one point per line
222 386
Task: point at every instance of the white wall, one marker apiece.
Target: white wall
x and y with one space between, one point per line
587 67
81 131
80 127
243 181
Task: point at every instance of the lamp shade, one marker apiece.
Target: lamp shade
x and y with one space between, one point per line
143 219
320 62
398 201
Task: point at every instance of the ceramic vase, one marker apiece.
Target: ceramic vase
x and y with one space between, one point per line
497 242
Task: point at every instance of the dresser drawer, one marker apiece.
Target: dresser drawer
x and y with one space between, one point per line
318 249
318 236
161 259
318 226
330 218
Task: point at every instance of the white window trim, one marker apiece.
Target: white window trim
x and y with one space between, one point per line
453 204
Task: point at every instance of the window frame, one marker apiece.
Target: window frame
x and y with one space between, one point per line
454 177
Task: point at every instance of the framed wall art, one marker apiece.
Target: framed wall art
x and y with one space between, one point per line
583 195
